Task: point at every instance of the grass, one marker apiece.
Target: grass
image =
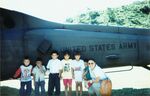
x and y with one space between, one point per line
7 91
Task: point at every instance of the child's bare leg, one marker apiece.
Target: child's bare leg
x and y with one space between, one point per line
80 85
77 88
66 93
70 90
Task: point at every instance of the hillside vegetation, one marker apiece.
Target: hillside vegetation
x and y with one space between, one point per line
136 15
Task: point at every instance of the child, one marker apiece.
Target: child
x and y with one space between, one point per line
54 66
67 73
38 77
25 71
86 75
78 66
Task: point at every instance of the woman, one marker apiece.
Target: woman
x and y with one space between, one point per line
98 76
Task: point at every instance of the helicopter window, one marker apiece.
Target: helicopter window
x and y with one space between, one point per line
7 21
44 47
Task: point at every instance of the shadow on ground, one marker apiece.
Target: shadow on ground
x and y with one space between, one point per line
7 91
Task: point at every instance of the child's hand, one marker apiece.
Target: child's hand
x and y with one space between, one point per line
91 81
47 73
39 65
11 78
41 69
84 78
60 76
73 77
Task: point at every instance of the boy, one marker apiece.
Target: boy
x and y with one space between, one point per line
67 73
25 71
78 66
54 66
38 77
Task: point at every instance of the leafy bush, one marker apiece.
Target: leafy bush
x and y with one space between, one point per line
7 91
134 15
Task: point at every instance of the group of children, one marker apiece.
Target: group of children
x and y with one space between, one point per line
25 71
66 69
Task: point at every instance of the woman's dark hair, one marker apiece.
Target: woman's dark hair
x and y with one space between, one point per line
92 59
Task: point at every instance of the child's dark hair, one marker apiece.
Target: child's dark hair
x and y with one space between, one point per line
77 53
54 51
26 57
66 52
39 59
86 60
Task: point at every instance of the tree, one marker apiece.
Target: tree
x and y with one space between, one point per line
133 15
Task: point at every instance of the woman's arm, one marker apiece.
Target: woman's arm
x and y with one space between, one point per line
96 80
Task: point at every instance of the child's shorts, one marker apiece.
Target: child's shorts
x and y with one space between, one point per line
67 82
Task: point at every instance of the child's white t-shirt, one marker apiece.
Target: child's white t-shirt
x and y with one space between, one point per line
78 67
66 66
54 66
39 74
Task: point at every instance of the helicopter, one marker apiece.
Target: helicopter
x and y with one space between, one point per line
111 46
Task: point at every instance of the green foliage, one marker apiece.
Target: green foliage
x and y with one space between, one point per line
134 15
7 91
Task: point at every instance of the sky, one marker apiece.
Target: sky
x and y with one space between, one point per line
59 10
